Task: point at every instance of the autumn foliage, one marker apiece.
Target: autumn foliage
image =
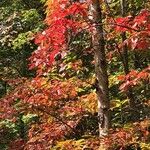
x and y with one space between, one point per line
62 95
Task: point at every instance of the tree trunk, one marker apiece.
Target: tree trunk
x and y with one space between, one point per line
100 68
125 60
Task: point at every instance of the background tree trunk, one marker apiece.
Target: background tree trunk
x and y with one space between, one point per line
100 68
129 93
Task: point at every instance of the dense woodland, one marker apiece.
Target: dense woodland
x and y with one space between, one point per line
74 75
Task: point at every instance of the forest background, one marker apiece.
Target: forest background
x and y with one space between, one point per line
74 75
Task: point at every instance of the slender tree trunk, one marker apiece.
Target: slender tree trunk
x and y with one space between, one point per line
130 94
3 88
100 68
123 35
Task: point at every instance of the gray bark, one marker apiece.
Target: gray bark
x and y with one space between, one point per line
100 68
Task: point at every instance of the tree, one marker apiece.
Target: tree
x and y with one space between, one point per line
98 46
100 68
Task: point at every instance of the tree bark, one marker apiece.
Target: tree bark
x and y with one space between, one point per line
100 68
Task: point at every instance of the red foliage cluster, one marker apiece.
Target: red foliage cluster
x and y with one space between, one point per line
17 144
50 96
62 22
40 92
139 27
123 138
7 110
134 78
48 99
44 135
137 23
